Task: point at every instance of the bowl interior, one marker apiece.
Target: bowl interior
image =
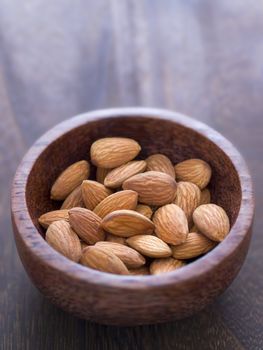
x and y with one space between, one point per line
155 136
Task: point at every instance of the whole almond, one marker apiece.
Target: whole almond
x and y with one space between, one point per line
74 199
117 176
115 239
126 223
129 256
161 163
205 197
117 201
69 179
212 221
187 198
194 170
101 260
62 238
149 245
93 193
159 266
140 271
112 152
144 210
171 224
46 219
195 245
153 187
86 224
101 174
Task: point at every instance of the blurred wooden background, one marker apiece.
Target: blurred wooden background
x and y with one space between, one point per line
200 57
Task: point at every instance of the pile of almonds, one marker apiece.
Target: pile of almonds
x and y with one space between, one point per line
140 217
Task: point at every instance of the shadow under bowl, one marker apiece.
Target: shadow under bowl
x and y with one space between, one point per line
131 300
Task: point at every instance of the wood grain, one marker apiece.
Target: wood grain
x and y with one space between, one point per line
202 58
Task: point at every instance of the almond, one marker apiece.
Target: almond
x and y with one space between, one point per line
142 271
159 266
86 224
115 239
101 174
117 176
112 152
205 197
129 256
195 245
187 198
144 210
153 187
151 246
194 170
69 179
93 193
212 221
117 201
46 219
194 229
161 163
126 223
171 224
101 260
74 199
62 238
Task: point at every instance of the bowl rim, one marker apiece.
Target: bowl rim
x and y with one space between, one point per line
29 234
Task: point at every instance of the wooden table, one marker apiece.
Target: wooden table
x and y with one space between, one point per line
57 59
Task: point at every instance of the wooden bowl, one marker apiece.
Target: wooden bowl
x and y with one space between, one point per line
131 300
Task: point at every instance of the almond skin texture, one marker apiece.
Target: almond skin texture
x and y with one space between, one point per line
86 224
117 201
112 152
159 266
140 271
74 199
126 223
144 210
205 197
93 193
62 238
187 198
101 174
130 257
115 239
212 221
150 246
117 176
69 179
161 163
101 260
171 224
153 187
46 219
196 244
194 170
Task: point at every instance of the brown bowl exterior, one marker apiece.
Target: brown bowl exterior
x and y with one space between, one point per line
131 300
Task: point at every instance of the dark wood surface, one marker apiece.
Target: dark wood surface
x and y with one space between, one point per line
203 58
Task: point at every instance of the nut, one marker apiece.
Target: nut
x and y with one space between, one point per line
126 223
212 221
117 176
194 170
86 224
93 193
69 179
171 224
112 152
74 199
149 245
62 238
161 163
165 265
153 187
46 219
